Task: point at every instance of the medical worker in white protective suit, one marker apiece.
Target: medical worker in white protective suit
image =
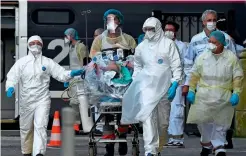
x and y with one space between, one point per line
215 85
176 121
33 73
113 37
157 73
78 54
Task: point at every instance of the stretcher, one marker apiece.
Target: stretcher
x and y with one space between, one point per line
103 87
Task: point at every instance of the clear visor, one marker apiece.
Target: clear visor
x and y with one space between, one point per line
35 43
148 29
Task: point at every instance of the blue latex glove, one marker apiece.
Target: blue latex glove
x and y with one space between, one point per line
10 92
191 97
76 72
172 90
234 99
66 84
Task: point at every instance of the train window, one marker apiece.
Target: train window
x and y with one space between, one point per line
53 16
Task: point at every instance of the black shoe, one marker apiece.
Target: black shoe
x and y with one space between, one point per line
229 145
109 149
122 145
27 154
39 155
98 132
221 154
229 135
122 148
205 152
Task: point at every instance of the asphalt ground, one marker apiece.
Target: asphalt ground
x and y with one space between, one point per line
10 146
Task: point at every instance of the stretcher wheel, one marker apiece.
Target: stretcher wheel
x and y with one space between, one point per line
135 150
135 147
92 149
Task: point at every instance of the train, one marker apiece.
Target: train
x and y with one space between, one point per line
49 19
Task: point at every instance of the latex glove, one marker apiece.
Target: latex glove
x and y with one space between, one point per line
172 90
76 72
66 84
234 99
191 97
10 92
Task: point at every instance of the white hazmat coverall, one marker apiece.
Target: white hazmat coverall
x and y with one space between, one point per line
33 72
157 64
176 122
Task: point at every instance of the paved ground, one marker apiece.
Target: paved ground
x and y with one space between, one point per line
10 146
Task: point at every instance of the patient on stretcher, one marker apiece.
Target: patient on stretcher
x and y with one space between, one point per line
110 73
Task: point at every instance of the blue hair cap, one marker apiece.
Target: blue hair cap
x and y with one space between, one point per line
114 12
72 32
219 36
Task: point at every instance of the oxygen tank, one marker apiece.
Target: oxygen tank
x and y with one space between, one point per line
86 118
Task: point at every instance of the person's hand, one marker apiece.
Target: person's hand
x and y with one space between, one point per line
191 97
185 90
234 99
10 92
112 67
66 84
76 72
172 90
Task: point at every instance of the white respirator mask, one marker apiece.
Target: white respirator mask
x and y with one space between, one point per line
169 34
211 26
212 47
66 40
150 34
111 26
35 49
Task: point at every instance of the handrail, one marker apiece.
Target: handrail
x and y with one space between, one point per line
3 62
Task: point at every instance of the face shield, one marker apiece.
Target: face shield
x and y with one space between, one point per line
112 21
153 29
149 32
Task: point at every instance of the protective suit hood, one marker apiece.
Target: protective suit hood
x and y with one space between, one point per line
154 22
33 38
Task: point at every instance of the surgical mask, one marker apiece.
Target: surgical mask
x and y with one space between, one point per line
211 26
212 47
169 34
111 26
150 34
35 49
66 40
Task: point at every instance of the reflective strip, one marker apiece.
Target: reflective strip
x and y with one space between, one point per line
56 122
177 136
214 78
57 94
226 85
200 42
55 137
208 144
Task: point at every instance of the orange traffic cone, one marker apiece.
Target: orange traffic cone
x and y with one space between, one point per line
55 139
76 127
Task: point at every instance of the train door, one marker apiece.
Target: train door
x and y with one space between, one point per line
9 53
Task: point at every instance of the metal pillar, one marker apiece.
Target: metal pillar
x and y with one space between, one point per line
68 141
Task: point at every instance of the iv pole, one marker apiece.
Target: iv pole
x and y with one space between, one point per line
84 13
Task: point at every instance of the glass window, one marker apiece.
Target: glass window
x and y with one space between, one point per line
53 16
